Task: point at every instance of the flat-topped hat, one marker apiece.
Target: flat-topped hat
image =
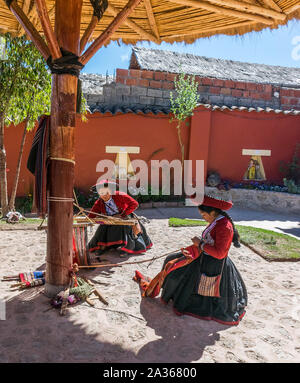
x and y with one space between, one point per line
218 203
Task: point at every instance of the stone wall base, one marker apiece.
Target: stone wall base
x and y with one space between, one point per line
259 199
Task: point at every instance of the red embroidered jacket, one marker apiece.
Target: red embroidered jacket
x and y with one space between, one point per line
218 239
123 201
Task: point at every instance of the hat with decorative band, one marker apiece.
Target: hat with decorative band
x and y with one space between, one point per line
218 203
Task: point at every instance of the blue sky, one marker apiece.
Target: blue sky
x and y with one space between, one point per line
273 47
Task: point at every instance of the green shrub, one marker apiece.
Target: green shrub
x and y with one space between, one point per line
292 187
24 204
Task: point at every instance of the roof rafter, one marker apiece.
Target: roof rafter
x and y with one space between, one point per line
47 28
25 8
88 33
111 9
224 11
251 8
271 4
105 36
30 30
151 17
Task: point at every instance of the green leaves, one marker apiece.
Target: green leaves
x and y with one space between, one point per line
186 99
25 82
184 104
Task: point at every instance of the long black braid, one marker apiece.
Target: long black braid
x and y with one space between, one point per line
236 236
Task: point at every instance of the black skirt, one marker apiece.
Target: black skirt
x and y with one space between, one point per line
181 286
120 236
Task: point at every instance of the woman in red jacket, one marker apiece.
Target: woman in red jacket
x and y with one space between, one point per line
119 205
186 277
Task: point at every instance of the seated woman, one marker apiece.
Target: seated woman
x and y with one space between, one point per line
121 205
186 276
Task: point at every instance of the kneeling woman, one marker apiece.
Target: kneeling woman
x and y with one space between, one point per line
119 205
201 280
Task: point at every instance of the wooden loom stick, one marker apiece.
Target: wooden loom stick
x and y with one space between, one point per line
128 263
80 208
96 291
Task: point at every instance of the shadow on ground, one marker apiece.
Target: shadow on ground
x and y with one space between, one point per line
34 332
182 338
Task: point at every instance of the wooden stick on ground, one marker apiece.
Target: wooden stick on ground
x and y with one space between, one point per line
128 263
96 291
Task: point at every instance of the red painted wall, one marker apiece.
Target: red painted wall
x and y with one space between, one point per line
148 132
215 137
12 142
233 131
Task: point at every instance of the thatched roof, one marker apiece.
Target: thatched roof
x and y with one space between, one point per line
167 61
170 20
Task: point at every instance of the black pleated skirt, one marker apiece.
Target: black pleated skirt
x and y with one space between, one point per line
120 236
181 285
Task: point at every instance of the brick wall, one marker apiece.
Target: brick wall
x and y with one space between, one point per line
157 86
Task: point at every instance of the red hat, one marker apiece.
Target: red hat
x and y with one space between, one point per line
217 203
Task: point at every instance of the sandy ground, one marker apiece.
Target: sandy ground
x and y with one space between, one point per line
132 329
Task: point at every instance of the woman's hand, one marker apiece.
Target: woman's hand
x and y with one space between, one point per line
196 241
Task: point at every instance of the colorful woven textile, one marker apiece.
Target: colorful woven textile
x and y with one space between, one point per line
31 279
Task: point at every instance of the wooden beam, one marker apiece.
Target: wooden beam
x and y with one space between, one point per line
151 17
131 24
47 28
88 33
224 11
271 4
250 8
30 30
106 35
25 8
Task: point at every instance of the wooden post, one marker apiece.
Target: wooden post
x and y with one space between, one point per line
62 153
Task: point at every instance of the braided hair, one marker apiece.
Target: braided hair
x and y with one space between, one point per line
209 209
